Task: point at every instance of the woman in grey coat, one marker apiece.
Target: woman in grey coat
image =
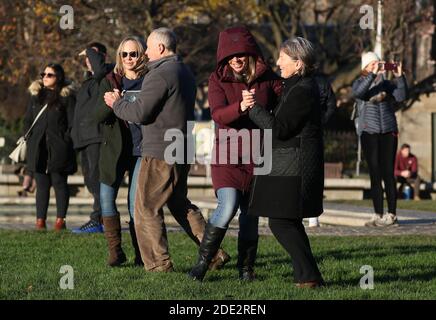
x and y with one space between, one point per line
293 190
377 125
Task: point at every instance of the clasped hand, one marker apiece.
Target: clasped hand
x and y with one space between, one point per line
111 96
248 99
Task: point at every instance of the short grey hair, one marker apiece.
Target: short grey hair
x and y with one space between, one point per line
301 49
167 37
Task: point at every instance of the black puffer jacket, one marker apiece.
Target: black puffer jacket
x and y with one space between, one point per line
49 146
375 99
294 187
85 130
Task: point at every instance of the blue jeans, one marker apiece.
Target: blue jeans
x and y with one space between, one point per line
108 193
229 200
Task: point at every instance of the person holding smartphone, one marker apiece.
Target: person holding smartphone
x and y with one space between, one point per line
377 124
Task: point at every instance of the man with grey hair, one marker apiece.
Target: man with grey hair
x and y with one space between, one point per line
165 102
166 37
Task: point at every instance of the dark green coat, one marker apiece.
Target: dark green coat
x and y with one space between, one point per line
116 137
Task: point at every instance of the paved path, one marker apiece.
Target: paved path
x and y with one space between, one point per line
338 219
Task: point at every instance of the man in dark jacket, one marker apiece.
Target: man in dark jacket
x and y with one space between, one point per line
86 132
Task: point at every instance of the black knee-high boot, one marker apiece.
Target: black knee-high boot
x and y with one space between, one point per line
209 246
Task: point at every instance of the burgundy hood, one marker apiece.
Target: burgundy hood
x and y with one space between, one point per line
234 41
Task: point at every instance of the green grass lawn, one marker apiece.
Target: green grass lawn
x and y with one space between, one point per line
423 205
404 268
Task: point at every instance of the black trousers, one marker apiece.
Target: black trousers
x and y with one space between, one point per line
379 151
89 158
43 184
291 234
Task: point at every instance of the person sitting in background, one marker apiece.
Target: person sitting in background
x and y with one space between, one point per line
406 170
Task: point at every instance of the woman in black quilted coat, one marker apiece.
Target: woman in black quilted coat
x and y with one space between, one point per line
293 190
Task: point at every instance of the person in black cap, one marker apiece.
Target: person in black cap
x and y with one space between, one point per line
86 132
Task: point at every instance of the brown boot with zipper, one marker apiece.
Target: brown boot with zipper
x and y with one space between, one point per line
112 232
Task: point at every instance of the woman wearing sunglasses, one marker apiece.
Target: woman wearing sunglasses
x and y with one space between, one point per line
50 153
121 145
240 66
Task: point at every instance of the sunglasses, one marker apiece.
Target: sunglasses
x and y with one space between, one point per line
133 54
49 75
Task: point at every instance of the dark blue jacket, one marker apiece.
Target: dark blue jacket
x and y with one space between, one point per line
375 100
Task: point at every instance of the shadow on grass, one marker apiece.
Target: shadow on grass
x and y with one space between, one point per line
385 279
389 274
374 252
351 253
416 222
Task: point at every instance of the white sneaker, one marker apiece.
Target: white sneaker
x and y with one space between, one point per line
389 219
313 222
373 222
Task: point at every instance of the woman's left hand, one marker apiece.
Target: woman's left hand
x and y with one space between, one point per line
248 99
398 72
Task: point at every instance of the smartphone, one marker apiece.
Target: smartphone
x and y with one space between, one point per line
390 66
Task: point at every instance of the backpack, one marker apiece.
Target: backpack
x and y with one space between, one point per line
357 115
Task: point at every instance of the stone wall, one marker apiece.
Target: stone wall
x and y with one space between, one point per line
415 129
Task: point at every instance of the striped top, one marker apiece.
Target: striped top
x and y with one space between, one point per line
375 98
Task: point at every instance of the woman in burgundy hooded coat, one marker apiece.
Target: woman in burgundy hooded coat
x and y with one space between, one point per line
240 66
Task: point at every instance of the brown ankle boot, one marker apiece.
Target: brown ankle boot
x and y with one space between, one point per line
60 224
40 224
112 232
